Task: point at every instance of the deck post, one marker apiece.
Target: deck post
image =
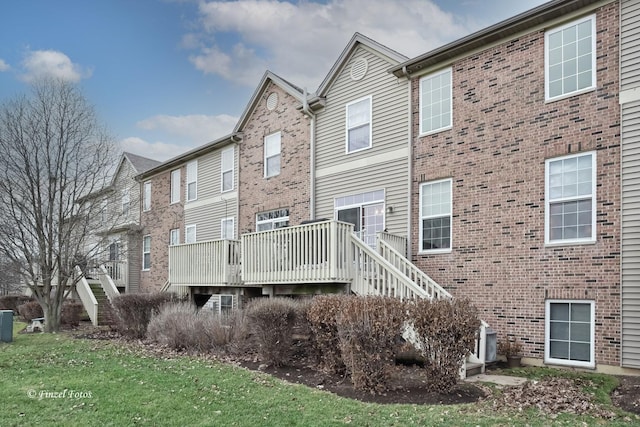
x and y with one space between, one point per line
333 249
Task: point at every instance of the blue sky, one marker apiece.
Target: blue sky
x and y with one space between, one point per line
168 75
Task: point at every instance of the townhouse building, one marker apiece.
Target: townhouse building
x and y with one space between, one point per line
188 199
516 178
115 242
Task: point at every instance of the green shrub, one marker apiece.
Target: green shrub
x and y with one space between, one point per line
134 312
30 310
445 333
369 328
12 302
322 316
271 321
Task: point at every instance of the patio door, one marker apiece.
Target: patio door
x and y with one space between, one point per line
367 216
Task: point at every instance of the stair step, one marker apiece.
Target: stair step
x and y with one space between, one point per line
473 368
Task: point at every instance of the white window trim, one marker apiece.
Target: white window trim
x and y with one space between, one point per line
146 196
547 202
186 233
593 59
430 76
175 186
231 169
177 232
421 217
547 333
145 252
194 165
233 228
346 125
264 154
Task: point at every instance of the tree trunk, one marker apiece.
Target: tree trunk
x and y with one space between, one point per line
51 316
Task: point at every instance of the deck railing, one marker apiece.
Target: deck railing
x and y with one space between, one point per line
210 263
107 283
118 271
311 253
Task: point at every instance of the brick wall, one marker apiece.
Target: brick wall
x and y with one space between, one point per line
289 189
495 154
157 222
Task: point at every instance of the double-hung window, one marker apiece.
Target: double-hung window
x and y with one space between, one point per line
192 180
126 202
569 333
190 234
272 154
570 58
227 229
174 237
359 125
175 186
570 211
435 216
226 167
146 252
146 201
436 96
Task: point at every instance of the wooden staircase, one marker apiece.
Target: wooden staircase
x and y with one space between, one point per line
106 315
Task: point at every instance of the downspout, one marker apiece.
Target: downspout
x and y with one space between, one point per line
312 154
409 163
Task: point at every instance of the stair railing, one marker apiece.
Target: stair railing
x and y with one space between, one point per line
374 275
108 286
86 296
417 276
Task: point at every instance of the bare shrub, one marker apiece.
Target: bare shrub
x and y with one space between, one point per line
271 321
178 326
229 332
30 310
322 316
12 302
445 332
134 311
369 328
71 311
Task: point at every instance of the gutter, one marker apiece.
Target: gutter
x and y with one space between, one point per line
312 154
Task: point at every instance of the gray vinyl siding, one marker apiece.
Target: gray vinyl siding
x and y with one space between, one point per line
392 177
348 176
134 257
630 140
212 205
389 112
631 234
630 45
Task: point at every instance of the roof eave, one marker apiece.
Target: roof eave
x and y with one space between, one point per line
509 27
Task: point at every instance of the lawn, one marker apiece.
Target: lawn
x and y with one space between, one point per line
55 379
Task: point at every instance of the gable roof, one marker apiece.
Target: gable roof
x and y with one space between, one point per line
267 77
187 156
357 39
517 24
139 163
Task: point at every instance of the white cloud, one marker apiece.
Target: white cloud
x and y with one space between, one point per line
239 40
197 129
302 41
154 150
3 66
51 63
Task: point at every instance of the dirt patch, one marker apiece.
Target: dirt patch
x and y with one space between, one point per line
627 394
